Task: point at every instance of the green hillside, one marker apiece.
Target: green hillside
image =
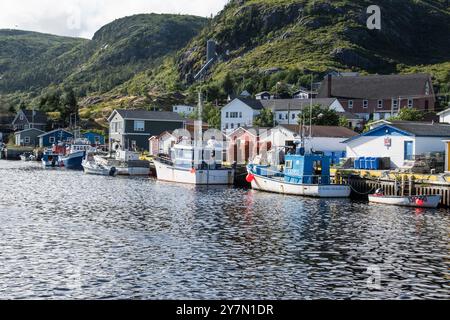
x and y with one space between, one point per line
32 64
150 60
311 36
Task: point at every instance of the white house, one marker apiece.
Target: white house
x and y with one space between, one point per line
162 144
444 116
240 112
181 109
327 139
288 111
399 141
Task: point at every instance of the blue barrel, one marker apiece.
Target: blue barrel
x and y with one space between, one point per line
357 163
375 163
368 161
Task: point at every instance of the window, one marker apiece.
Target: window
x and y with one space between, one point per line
226 126
232 126
380 104
409 150
238 125
394 104
240 114
51 140
21 117
365 104
280 116
410 103
289 164
27 140
139 125
350 104
176 108
293 116
427 89
227 115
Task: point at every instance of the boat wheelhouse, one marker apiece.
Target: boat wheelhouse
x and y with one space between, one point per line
195 165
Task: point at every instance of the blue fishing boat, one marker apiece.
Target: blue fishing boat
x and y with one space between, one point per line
302 175
50 159
76 153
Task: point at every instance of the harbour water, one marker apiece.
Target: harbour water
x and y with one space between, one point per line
67 235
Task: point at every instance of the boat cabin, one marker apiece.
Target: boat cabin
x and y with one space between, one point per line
307 168
188 156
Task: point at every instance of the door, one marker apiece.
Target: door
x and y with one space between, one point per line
409 150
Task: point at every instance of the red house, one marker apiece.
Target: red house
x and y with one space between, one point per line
380 96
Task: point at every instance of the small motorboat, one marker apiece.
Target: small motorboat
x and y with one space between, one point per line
27 157
92 166
429 201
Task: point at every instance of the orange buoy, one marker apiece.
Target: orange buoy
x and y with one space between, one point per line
193 171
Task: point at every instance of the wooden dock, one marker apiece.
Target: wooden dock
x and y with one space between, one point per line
403 185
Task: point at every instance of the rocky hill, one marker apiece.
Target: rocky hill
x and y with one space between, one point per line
150 60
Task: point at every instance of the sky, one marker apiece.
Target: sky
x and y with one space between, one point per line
82 18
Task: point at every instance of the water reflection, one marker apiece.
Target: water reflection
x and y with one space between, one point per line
67 235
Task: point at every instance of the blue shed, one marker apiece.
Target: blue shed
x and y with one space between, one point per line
94 138
49 138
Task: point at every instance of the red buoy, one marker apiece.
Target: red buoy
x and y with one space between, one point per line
250 178
420 202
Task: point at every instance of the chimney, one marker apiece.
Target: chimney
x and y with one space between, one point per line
329 84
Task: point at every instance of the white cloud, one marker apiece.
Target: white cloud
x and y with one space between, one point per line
82 18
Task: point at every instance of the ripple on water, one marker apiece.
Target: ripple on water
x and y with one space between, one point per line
67 235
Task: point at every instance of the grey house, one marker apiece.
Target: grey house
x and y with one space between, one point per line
28 137
26 119
131 129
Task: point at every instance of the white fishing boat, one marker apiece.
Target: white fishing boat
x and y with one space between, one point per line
429 201
194 162
183 168
302 175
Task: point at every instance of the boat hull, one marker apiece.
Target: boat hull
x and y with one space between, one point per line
50 161
317 191
170 173
93 170
431 201
74 161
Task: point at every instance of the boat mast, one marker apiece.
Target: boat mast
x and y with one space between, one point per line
198 131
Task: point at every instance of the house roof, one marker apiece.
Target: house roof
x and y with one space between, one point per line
26 130
295 104
323 131
250 130
444 112
39 116
148 115
252 103
261 93
377 86
423 129
54 131
418 129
